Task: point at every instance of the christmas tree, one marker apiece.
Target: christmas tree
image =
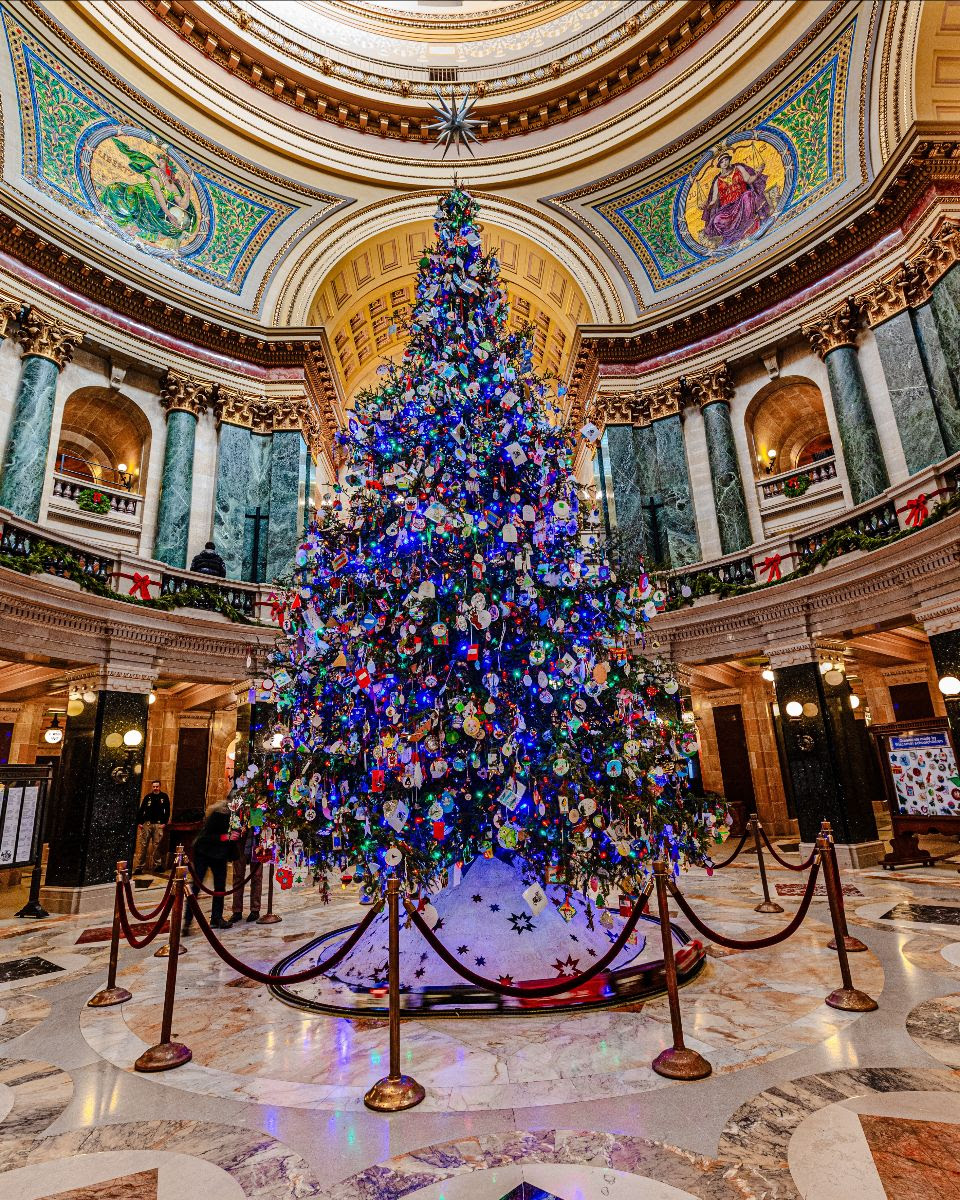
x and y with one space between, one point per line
461 673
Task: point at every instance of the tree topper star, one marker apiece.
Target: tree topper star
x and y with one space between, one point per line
455 125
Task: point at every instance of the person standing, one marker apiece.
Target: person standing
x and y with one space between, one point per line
212 851
244 861
152 818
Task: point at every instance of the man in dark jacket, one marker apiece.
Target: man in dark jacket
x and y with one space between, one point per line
209 562
212 850
152 818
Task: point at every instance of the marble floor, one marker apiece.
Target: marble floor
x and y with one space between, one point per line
804 1101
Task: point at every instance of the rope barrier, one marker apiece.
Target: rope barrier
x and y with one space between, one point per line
270 977
807 863
139 943
202 887
142 916
536 990
727 861
748 943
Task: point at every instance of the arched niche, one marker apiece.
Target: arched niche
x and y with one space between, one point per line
364 300
787 416
104 439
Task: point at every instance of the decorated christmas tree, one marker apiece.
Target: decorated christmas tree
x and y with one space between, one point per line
461 673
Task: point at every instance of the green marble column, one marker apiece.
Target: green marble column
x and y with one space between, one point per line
913 406
256 530
939 379
728 495
176 489
25 457
862 453
676 518
945 306
230 506
628 494
286 488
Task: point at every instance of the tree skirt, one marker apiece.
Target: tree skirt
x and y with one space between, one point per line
488 925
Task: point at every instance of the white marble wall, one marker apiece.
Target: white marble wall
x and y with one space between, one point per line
698 463
869 356
9 379
204 484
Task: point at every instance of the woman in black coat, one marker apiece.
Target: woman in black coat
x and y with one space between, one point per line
212 850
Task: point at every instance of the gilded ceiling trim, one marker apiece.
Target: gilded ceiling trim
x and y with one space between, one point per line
191 23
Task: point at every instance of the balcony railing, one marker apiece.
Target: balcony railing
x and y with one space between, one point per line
128 576
901 508
771 489
127 506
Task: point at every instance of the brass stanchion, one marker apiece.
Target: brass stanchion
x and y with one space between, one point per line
164 951
269 917
677 1062
396 1091
852 945
166 1054
112 994
767 905
848 998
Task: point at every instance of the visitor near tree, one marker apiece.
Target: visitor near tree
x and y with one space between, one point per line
153 816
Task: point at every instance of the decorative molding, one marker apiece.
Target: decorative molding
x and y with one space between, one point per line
664 400
907 288
939 252
713 386
833 331
43 336
10 311
254 412
180 394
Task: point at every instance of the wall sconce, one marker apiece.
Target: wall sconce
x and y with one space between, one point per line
89 697
771 459
74 706
834 676
132 738
54 735
794 710
767 674
152 698
810 709
854 700
949 685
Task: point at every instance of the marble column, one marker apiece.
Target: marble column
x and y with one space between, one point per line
285 531
939 379
713 391
832 769
184 400
675 514
47 347
94 822
257 529
628 496
885 307
834 340
234 414
945 307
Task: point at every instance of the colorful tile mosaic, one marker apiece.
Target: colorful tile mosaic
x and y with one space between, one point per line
83 150
755 178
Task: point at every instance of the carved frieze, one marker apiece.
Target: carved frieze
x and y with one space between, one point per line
43 336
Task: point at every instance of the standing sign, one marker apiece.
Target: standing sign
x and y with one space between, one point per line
922 784
23 793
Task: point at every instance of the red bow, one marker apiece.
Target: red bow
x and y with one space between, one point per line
771 564
141 586
917 510
277 610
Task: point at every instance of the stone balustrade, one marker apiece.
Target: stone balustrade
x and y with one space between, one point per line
771 489
125 506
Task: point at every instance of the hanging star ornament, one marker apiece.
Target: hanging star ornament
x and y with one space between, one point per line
455 126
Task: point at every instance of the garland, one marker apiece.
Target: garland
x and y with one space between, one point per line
838 541
69 566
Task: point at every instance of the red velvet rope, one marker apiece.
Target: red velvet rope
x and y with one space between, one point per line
727 861
201 886
270 977
536 990
750 943
141 916
782 861
139 943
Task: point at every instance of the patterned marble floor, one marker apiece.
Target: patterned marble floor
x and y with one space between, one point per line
804 1101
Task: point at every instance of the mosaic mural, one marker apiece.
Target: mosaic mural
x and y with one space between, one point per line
765 172
83 151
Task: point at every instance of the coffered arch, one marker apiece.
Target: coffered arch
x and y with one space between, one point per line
293 299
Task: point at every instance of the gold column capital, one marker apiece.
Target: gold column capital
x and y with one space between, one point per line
10 311
663 400
938 253
43 336
233 407
182 394
906 288
711 387
830 332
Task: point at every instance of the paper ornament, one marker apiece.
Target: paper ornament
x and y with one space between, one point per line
535 898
